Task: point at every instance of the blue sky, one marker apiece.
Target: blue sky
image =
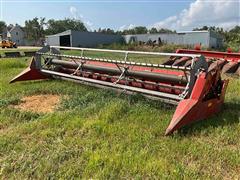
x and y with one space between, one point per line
123 14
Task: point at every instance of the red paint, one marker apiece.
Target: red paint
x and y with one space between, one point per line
196 107
31 73
137 68
212 54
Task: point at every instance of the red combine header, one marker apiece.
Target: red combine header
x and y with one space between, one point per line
197 91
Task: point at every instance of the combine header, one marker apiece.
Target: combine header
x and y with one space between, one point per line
197 90
229 62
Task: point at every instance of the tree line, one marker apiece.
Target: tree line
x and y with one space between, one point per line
38 28
135 30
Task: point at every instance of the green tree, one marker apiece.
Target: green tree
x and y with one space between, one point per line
144 30
140 30
110 31
153 30
2 26
204 28
58 26
163 30
136 30
106 31
34 29
232 37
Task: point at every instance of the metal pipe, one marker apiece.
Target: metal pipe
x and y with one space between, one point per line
128 52
156 77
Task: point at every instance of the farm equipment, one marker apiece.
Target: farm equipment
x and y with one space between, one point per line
8 44
228 62
197 90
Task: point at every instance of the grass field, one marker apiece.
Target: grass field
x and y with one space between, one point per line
99 134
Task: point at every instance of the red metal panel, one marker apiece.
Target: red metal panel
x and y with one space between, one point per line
196 108
212 54
31 73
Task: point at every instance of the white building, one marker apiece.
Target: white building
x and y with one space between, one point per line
15 33
207 39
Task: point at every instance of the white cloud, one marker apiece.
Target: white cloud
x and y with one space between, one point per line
127 27
73 11
76 15
224 14
169 22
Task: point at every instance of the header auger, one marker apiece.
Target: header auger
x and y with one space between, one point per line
197 91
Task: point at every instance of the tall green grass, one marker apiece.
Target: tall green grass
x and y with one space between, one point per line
170 48
101 134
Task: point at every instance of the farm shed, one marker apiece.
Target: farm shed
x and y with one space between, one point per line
81 39
208 39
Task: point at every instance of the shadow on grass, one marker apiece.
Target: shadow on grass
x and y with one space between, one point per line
139 98
229 116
